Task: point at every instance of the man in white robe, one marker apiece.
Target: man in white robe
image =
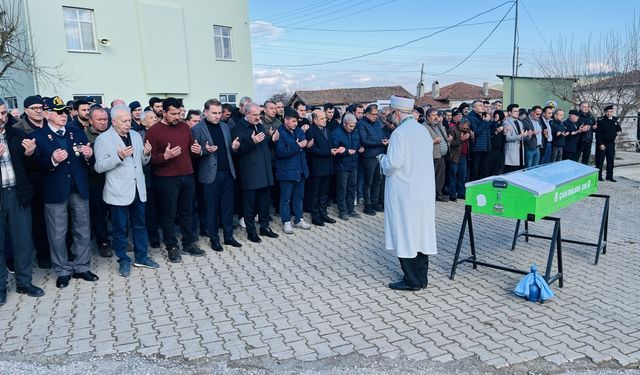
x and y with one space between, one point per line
409 196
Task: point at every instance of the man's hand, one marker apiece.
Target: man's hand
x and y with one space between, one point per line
603 147
170 153
437 140
124 153
465 136
59 155
275 136
235 144
305 127
385 141
361 150
196 148
449 138
86 150
210 148
257 138
147 148
351 151
28 144
302 143
311 142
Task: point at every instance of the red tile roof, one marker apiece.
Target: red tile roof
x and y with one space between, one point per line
348 96
466 91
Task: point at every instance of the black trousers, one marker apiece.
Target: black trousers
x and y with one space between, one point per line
609 154
175 197
98 211
480 165
318 188
584 151
415 270
495 159
15 223
346 190
256 201
40 239
372 179
218 203
151 216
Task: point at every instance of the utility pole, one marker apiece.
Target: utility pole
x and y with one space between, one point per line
420 88
514 62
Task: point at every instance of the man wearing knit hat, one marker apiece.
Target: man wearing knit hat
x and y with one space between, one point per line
409 196
136 112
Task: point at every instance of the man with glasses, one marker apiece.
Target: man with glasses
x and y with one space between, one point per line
15 216
373 139
66 156
34 119
533 140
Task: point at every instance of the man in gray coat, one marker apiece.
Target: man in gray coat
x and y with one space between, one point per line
216 173
120 154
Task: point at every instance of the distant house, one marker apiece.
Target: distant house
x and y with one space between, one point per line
457 93
344 97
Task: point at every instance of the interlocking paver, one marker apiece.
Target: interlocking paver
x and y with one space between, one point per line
309 297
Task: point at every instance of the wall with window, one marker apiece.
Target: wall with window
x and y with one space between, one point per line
135 49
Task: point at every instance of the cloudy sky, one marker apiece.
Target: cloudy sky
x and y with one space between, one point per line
311 44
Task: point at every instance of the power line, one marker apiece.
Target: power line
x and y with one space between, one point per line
385 30
481 43
403 44
305 14
544 40
299 10
338 10
350 15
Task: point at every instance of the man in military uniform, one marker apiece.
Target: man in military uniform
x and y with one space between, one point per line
606 133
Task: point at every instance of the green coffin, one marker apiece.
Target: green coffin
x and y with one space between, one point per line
532 193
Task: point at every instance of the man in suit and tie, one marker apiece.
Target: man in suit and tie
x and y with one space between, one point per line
216 173
66 156
120 155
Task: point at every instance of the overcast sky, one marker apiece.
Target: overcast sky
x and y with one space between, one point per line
297 44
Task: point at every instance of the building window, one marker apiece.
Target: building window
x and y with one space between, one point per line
80 30
228 98
222 38
12 102
96 98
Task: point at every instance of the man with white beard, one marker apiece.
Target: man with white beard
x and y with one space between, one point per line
409 196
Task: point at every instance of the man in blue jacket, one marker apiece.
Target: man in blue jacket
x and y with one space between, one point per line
373 140
291 170
481 130
66 156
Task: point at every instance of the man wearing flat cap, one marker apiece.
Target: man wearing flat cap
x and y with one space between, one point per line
606 133
136 113
409 196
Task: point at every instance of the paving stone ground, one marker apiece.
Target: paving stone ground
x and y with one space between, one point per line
322 294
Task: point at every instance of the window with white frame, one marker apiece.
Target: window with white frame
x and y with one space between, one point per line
79 28
228 98
222 39
12 102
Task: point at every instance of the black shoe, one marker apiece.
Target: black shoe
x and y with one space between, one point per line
204 233
600 178
378 208
155 244
401 285
253 237
268 232
44 264
344 217
317 222
328 219
86 275
216 246
3 296
104 250
368 210
63 281
232 242
30 290
174 254
611 179
442 198
453 199
194 250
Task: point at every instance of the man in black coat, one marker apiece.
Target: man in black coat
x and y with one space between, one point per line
254 167
606 133
587 125
319 157
16 152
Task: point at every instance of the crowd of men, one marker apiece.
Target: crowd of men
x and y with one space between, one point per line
70 169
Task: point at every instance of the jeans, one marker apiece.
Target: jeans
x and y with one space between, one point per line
372 178
531 157
120 216
218 203
547 152
291 194
457 178
175 196
98 210
345 190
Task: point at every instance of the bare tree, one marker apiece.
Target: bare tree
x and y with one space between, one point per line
17 52
281 96
606 70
